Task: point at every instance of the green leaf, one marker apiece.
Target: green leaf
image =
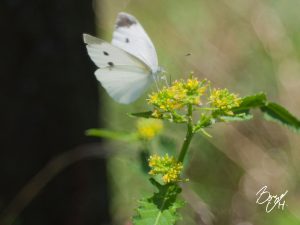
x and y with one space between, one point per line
113 135
161 208
172 117
278 113
147 114
249 102
236 117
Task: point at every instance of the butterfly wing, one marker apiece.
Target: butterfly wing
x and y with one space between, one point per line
130 36
104 54
123 85
123 76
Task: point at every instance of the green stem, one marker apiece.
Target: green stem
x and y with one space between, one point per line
189 135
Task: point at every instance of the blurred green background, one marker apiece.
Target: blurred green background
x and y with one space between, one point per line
246 46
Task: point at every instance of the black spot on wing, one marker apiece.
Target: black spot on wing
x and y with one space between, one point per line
125 20
127 40
111 64
105 53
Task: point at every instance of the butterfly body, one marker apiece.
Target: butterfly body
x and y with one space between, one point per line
128 65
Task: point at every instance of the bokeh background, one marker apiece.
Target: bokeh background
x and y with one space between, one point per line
49 98
246 46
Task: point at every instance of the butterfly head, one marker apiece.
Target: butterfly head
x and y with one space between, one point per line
160 70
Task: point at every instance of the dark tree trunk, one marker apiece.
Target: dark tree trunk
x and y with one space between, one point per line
49 97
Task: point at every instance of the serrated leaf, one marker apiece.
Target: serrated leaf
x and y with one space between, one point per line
150 215
113 135
250 102
278 113
147 114
236 117
161 208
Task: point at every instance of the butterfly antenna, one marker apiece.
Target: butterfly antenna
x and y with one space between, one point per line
164 77
156 83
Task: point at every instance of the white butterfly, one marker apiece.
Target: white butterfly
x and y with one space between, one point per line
129 64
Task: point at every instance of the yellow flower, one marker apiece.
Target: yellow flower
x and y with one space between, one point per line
149 128
178 95
192 84
166 166
153 98
223 100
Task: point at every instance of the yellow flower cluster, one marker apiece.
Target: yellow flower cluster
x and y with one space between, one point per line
166 166
178 95
149 128
223 100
